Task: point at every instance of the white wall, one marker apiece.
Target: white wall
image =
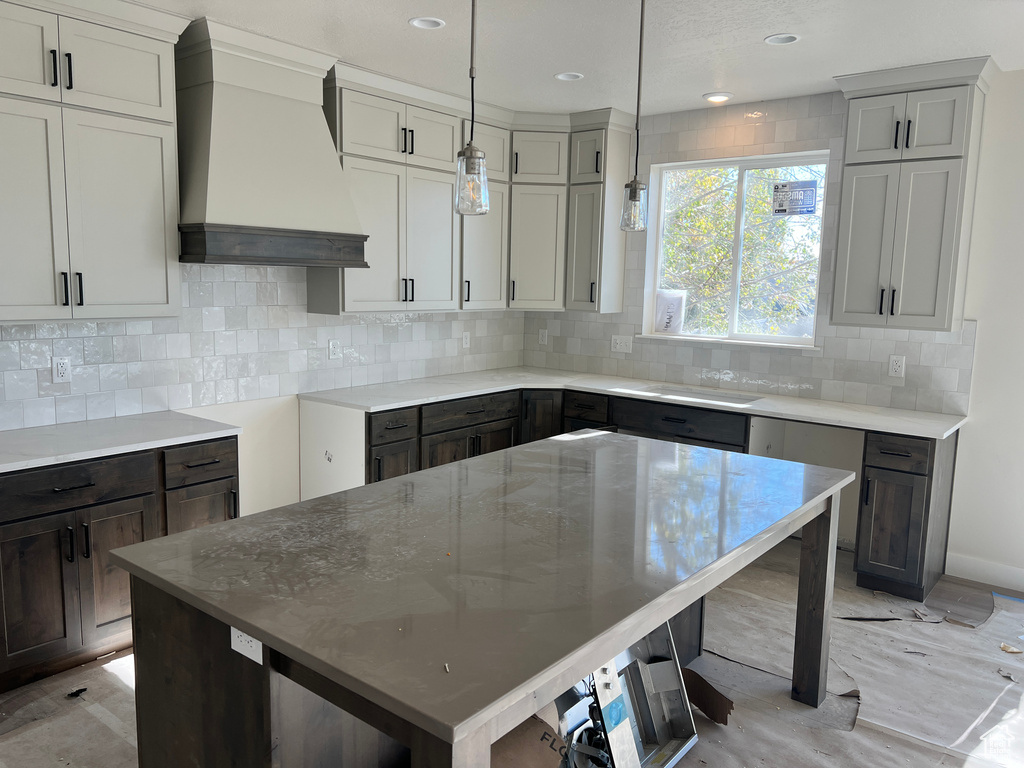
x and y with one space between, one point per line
987 527
268 449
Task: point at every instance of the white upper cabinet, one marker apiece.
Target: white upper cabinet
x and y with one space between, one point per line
432 237
51 57
496 145
587 157
537 259
584 245
908 126
485 252
540 157
372 126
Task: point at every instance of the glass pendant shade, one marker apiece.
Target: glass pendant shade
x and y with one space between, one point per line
471 198
634 207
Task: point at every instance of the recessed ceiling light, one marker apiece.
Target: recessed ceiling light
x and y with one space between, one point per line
568 76
717 97
427 22
782 38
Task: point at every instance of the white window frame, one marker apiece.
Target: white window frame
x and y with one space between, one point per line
653 253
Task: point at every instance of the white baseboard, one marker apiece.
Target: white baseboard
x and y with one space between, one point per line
985 571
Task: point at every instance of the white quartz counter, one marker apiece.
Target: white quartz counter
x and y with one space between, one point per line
61 443
402 394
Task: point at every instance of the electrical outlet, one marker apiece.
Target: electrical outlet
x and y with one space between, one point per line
333 349
897 366
61 369
246 645
543 336
622 344
465 339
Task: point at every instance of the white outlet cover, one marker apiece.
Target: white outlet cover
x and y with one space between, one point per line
333 349
897 366
247 645
622 344
543 336
61 369
465 339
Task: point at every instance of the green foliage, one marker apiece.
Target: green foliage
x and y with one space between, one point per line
778 255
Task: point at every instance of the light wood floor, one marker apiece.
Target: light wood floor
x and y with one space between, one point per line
930 694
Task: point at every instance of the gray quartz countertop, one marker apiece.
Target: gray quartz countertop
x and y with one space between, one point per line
456 596
401 394
60 443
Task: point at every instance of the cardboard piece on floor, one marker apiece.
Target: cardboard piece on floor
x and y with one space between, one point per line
708 699
531 744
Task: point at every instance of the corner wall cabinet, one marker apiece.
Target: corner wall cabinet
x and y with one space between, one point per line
61 601
905 214
537 255
540 157
496 144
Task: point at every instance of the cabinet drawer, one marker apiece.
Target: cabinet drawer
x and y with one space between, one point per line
392 426
904 454
580 405
200 462
37 492
679 421
454 414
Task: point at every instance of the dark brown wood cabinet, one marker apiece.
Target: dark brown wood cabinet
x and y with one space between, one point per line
681 424
392 460
197 505
458 444
540 414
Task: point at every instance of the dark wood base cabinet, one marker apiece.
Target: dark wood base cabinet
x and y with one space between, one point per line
62 602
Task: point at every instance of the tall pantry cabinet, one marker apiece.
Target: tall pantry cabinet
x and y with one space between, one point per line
88 169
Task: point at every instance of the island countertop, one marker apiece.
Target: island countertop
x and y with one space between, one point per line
457 596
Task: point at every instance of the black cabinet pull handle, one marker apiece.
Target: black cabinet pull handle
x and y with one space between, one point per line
71 76
67 288
597 162
380 468
467 290
673 420
86 542
81 289
53 61
907 142
592 287
206 463
583 406
74 488
901 454
867 491
896 139
234 504
516 168
881 303
478 410
892 302
71 544
405 141
389 425
513 290
412 141
405 289
479 444
412 285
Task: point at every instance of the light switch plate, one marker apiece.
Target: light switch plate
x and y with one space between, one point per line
622 344
247 645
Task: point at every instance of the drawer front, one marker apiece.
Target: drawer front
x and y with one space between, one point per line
904 454
679 421
37 492
200 462
469 411
582 405
392 426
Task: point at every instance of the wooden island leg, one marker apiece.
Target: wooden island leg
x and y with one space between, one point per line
814 605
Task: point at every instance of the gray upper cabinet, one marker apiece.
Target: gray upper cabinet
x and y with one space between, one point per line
496 144
540 157
587 157
908 126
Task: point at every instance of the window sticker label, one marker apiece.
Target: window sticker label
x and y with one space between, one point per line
794 198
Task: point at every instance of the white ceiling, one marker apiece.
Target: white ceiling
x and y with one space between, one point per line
692 46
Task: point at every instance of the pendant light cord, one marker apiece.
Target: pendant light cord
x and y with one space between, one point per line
472 73
639 83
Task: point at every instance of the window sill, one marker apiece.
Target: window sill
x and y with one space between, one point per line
729 342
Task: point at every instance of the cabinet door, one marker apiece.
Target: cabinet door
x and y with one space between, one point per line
539 158
378 192
122 215
432 237
485 253
33 217
537 259
587 157
891 524
393 460
936 123
585 208
446 447
106 590
373 127
541 414
116 71
875 128
923 269
38 590
867 225
199 505
28 53
496 436
496 144
433 138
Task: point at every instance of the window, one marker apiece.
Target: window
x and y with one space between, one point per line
724 261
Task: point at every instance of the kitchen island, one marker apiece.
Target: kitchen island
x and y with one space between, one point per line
446 606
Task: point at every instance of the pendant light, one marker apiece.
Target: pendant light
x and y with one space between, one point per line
634 197
471 198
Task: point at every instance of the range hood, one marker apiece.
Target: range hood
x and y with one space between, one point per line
260 178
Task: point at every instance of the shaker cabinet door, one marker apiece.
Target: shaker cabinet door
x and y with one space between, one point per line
485 253
584 250
432 236
537 260
496 144
890 541
29 60
875 128
936 123
433 138
373 127
540 157
587 157
197 505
